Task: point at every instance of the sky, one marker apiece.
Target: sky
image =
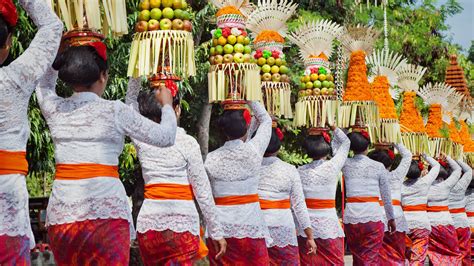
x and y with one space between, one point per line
462 24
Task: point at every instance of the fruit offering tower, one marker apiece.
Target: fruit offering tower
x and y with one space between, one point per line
453 102
268 26
163 44
358 106
385 65
413 130
437 97
317 99
83 17
232 75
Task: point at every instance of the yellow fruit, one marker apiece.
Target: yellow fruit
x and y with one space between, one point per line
314 77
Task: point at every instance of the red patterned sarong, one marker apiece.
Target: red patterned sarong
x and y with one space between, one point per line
443 248
365 241
328 252
288 255
91 242
420 238
241 252
464 240
393 249
168 248
14 250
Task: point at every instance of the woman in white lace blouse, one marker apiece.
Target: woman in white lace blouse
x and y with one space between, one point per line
470 211
457 208
443 247
281 193
168 222
233 170
17 82
414 199
320 179
366 181
88 217
393 247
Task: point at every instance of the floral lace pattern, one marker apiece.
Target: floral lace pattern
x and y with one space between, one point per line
178 223
325 228
457 196
282 236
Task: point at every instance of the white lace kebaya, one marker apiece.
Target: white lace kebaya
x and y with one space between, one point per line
17 82
457 198
178 164
470 206
233 170
280 181
439 196
415 193
88 129
320 179
365 177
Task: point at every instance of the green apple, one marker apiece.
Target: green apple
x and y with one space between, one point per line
275 69
240 39
302 93
239 48
184 5
144 15
278 62
283 69
247 41
228 49
178 13
155 13
309 85
155 3
186 15
331 84
261 61
247 49
213 51
219 49
302 85
325 84
271 61
231 39
266 68
165 24
331 91
167 3
238 58
168 13
317 84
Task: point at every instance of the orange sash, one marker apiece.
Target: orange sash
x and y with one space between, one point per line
394 203
203 250
274 204
437 208
458 210
362 199
470 214
318 204
84 171
415 208
165 191
13 162
236 200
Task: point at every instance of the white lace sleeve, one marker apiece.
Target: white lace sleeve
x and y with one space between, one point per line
455 174
132 92
138 127
33 63
46 93
385 192
343 145
264 131
433 173
252 128
466 178
298 204
202 190
401 171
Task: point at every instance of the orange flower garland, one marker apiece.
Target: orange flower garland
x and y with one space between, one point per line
380 91
228 10
453 132
466 137
269 36
410 117
357 86
435 122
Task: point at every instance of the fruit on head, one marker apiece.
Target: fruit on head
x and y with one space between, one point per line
266 68
240 39
144 15
155 3
308 92
168 13
178 24
222 41
188 26
261 61
316 91
306 79
239 48
165 24
324 91
278 62
267 77
283 69
271 60
228 49
275 54
219 49
247 49
317 84
184 4
330 77
313 77
178 13
238 58
141 26
167 3
153 24
177 4
322 77
155 13
247 41
247 58
284 77
186 15
231 39
325 84
228 58
218 59
309 85
144 5
276 77
275 69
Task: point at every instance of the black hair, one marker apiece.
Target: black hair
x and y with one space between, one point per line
5 30
444 172
149 107
316 147
274 144
359 143
232 124
382 157
414 171
80 65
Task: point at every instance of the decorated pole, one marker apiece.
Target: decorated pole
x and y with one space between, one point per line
268 26
317 98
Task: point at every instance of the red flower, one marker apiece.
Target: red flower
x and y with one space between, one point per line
170 85
279 134
443 163
365 134
421 166
100 48
8 12
391 154
326 137
258 54
247 116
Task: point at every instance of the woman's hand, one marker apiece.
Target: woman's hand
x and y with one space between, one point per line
392 227
311 245
163 96
220 244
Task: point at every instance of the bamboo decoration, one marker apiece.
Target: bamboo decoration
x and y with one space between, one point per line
317 103
267 24
96 15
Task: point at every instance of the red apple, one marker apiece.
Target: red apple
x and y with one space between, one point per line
153 24
188 26
165 24
178 24
141 26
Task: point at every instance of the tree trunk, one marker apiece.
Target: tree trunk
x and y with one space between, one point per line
203 128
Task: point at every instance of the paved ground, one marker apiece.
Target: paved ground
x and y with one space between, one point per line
348 260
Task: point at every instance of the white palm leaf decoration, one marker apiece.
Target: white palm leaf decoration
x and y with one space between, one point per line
316 37
270 15
453 101
244 6
437 93
465 109
359 38
386 63
409 77
368 2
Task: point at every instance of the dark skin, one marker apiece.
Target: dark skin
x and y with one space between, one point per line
5 50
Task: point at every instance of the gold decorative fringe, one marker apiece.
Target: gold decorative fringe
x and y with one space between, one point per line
316 111
457 151
388 132
155 50
277 98
234 82
365 111
437 146
417 143
470 158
